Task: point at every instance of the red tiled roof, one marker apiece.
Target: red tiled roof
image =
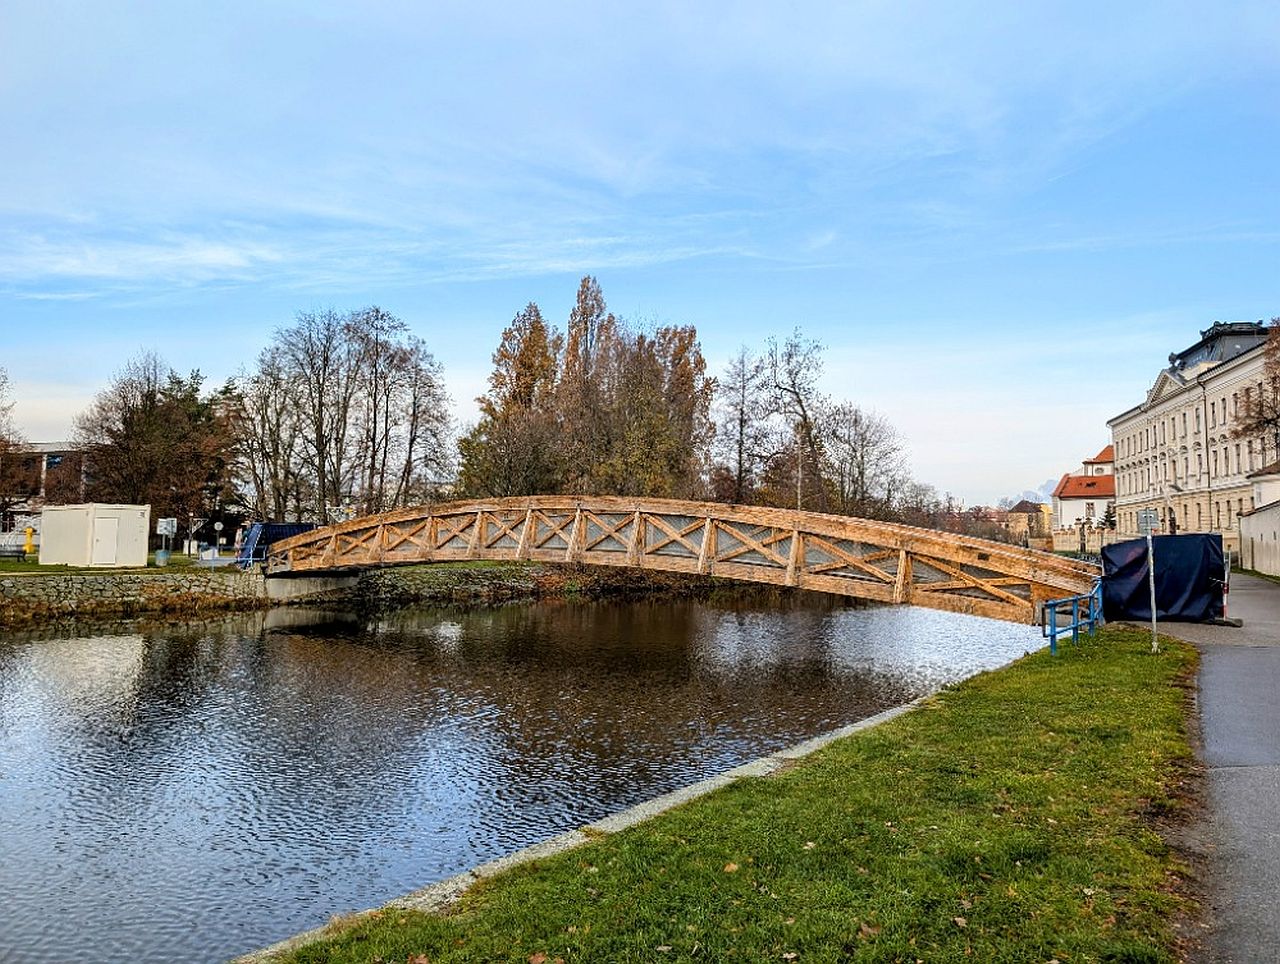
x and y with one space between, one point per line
1086 487
1272 469
1106 455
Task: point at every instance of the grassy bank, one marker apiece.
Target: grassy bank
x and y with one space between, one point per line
1013 818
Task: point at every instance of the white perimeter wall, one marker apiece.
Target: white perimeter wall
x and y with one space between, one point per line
1260 540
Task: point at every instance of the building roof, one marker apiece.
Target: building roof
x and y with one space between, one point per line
1272 469
1220 343
1026 507
1086 487
1108 454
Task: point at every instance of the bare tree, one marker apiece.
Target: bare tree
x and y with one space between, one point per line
1259 414
794 369
269 429
343 410
863 459
743 436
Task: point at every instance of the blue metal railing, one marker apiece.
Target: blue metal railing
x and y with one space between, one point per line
1086 612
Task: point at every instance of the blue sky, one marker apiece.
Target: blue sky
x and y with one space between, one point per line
999 219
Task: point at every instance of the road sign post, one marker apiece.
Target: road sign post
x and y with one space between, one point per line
1149 522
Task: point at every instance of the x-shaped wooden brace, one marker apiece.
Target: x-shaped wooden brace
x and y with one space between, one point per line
453 530
749 544
962 580
608 530
396 537
673 536
348 543
553 529
847 560
504 530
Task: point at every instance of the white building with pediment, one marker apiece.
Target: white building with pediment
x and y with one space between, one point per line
1176 451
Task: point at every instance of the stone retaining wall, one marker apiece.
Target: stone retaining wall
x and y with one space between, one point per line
25 596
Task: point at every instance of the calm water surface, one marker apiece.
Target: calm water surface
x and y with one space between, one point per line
194 793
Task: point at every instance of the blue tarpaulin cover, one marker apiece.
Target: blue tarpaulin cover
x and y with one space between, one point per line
1189 579
260 536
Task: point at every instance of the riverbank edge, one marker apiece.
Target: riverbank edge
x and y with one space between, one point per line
439 897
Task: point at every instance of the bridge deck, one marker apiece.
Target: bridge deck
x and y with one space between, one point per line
862 558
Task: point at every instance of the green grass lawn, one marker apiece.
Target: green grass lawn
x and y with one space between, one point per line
1012 818
32 565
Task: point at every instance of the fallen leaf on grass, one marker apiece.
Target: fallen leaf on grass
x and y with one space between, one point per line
867 931
790 956
960 922
419 959
539 958
730 868
809 845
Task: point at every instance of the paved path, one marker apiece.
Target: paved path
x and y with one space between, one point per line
1240 727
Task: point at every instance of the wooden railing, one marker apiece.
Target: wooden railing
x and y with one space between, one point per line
862 558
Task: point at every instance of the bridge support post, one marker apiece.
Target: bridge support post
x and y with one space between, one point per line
707 552
902 581
795 558
635 550
526 535
577 535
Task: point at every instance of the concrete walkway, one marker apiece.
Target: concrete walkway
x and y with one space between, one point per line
1240 727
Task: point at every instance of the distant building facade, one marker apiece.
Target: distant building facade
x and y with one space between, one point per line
47 472
1085 494
1175 451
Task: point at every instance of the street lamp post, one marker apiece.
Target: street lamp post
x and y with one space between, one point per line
1170 523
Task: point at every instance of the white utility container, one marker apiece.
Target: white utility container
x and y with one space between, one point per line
106 536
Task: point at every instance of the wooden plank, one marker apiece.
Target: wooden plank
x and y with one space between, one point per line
707 553
902 580
522 550
635 555
795 561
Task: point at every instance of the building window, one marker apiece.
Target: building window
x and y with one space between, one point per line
1088 510
1237 457
1184 423
1215 462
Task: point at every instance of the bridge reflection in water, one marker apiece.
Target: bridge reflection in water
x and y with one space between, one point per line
862 558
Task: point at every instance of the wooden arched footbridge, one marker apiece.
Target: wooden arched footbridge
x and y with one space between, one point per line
878 561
